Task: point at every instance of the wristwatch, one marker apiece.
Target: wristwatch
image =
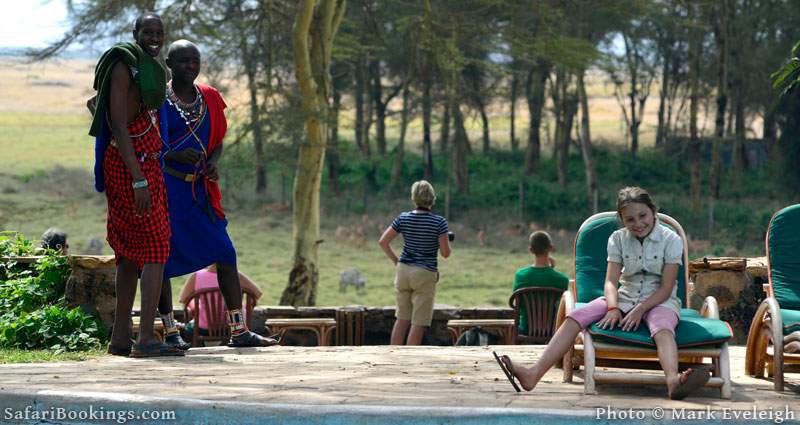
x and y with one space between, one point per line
140 184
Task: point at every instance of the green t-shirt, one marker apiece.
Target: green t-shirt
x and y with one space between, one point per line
537 276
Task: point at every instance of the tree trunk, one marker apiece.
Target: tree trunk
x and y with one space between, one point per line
380 107
362 140
255 123
770 124
427 151
460 153
513 112
721 35
333 144
663 125
444 130
564 107
737 159
397 166
485 121
312 41
694 99
534 93
586 146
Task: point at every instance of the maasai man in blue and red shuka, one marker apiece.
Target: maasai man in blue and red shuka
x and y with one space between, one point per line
193 126
130 85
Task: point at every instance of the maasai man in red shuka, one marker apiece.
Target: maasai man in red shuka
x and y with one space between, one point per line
192 126
130 85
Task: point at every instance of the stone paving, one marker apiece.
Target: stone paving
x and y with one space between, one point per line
367 376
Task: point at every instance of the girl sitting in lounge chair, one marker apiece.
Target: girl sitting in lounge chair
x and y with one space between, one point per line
643 260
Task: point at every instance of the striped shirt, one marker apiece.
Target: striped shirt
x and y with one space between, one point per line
420 238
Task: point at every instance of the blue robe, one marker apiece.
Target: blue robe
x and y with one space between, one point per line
199 237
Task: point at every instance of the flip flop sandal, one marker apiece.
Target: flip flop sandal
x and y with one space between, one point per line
696 379
252 339
508 373
155 349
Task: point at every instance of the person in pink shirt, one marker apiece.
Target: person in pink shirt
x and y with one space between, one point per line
207 278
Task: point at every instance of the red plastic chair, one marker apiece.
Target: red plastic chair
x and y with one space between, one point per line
210 303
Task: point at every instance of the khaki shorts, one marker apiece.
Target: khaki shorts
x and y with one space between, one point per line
415 289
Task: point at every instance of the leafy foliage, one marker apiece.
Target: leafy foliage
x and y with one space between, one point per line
32 310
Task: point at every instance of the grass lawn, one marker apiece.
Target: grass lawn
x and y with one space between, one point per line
33 356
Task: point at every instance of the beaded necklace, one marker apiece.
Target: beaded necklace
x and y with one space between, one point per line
190 112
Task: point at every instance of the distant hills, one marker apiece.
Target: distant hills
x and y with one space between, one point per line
71 53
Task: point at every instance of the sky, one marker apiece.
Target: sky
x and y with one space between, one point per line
31 23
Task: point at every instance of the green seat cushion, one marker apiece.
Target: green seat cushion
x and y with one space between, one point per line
591 257
783 242
692 331
791 320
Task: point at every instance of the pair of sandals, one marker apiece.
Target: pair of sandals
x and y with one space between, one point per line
696 378
150 349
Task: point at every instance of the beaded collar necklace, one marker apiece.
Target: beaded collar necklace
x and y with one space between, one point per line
190 112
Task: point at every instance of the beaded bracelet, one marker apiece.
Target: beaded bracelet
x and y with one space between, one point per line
140 184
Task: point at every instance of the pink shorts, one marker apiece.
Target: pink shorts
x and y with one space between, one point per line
658 319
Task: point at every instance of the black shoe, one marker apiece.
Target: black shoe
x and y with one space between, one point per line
175 340
252 339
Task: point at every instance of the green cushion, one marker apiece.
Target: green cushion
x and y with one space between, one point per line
591 260
783 243
591 257
692 331
791 320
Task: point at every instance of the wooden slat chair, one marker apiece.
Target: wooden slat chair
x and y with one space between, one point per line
698 335
779 314
540 305
210 303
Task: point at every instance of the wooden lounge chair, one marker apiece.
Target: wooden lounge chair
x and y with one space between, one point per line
779 314
540 305
212 306
698 335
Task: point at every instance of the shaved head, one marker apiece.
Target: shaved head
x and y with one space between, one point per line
144 17
179 46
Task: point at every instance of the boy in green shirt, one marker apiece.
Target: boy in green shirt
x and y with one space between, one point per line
540 273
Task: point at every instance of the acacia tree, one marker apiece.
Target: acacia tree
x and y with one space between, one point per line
314 30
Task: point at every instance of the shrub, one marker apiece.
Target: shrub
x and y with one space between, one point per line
32 310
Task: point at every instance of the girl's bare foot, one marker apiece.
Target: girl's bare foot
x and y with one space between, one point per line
526 377
680 385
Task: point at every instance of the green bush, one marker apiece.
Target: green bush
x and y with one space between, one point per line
32 310
55 327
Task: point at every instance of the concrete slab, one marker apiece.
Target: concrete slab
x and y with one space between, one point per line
356 379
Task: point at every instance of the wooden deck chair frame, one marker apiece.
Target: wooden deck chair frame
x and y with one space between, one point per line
541 305
218 328
592 353
766 328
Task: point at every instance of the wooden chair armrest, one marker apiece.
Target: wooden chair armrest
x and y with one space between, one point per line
565 307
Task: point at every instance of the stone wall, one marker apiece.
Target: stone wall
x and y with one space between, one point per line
378 321
736 284
91 287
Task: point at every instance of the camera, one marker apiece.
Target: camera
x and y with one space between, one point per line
451 236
